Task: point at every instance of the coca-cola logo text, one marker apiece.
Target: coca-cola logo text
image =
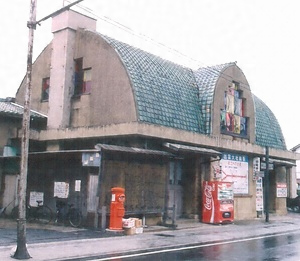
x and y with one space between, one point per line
208 196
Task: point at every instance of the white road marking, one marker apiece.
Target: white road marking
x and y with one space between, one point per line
190 247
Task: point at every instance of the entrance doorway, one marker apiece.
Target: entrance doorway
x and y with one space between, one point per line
175 187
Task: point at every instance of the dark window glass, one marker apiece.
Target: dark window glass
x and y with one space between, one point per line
233 120
82 78
45 89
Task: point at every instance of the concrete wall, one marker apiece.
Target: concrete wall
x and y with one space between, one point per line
245 205
163 133
111 100
64 28
40 70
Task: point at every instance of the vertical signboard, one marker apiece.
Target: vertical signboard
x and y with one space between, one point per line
235 170
259 195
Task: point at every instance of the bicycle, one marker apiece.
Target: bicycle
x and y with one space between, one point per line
68 213
3 210
40 214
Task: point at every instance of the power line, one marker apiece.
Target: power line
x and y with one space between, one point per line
132 32
152 41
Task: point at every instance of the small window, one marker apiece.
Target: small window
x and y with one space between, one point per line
82 77
87 81
45 89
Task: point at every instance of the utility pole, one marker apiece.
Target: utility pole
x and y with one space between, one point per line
21 251
267 185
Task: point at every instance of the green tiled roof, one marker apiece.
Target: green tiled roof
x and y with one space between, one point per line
166 93
171 95
10 108
267 128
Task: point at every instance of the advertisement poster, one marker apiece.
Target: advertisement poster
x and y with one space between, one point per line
61 189
235 169
281 190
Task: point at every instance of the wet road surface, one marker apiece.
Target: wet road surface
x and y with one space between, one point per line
285 247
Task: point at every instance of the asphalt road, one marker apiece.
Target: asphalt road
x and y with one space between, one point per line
250 240
283 247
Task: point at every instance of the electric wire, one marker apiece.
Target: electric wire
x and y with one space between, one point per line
144 37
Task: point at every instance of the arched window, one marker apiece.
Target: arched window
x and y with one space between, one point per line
233 120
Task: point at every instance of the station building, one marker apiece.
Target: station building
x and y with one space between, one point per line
106 114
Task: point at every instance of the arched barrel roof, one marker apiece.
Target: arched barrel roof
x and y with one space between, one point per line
267 129
165 93
171 95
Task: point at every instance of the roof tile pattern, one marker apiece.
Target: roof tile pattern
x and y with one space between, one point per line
15 110
166 93
171 95
267 128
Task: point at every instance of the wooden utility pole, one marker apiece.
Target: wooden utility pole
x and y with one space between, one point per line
21 251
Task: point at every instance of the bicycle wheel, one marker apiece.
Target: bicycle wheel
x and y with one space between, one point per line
43 215
75 217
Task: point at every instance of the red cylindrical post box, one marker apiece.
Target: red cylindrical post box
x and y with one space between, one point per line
117 210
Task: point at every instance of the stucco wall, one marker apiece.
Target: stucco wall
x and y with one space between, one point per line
245 205
111 99
40 70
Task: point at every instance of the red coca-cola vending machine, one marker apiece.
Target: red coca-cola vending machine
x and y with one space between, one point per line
217 207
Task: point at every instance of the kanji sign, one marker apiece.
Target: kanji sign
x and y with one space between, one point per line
281 190
235 169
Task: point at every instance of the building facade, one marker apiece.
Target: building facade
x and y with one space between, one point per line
118 116
297 150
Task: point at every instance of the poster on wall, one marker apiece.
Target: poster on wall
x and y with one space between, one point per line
281 190
61 189
235 169
77 185
36 198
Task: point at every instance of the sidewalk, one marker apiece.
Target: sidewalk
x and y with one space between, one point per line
188 232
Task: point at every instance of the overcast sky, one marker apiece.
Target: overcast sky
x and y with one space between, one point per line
260 35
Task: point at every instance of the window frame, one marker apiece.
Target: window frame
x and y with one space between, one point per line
45 94
81 84
233 119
